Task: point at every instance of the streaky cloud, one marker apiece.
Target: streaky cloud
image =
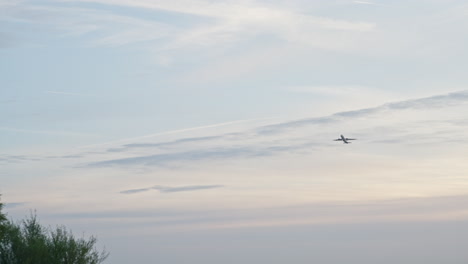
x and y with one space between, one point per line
17 158
132 191
166 189
44 132
164 144
7 101
67 93
261 150
410 209
364 3
178 131
186 188
199 155
437 101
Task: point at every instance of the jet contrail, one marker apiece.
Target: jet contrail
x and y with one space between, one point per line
178 131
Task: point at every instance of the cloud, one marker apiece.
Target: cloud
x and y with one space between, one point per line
45 132
416 209
71 156
176 132
230 22
7 101
364 3
67 93
108 28
217 153
18 158
165 189
132 191
243 13
186 188
164 144
437 101
265 141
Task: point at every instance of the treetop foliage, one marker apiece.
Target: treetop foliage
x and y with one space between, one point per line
3 219
28 242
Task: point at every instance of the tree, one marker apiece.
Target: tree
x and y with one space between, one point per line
3 221
28 242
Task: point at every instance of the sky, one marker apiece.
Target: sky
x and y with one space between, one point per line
202 131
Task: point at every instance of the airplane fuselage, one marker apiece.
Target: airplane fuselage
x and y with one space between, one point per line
344 139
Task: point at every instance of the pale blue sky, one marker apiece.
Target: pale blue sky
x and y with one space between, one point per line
209 124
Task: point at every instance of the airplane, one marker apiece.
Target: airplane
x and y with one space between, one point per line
345 140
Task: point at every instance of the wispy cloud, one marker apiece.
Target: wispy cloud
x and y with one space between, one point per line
166 189
186 188
7 101
219 153
45 132
416 209
175 132
261 141
164 144
72 156
364 3
231 22
109 29
18 158
132 191
67 93
421 103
